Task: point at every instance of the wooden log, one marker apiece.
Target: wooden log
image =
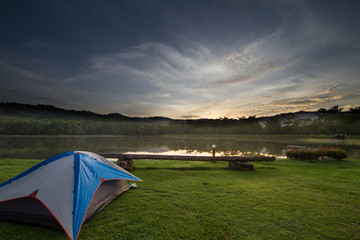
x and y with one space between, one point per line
124 156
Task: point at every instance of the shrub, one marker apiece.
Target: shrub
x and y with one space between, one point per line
321 152
336 154
301 154
317 154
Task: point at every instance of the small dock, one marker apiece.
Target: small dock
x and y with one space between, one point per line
238 162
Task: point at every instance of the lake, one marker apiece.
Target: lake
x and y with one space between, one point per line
42 147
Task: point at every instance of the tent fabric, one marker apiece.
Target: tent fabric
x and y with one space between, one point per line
63 191
104 195
23 209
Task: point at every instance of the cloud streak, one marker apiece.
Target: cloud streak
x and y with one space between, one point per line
184 77
246 68
310 100
194 67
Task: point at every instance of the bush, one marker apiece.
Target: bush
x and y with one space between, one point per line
317 154
300 154
336 154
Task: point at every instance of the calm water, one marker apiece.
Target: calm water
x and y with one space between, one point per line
43 147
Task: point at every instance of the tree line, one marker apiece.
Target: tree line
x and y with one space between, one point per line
329 121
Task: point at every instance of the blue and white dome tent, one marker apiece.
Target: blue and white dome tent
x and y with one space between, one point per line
63 191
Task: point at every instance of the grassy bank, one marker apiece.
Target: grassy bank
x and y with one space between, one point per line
286 199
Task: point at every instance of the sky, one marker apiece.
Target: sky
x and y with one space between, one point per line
181 59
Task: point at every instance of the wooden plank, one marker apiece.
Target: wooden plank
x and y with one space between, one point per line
125 156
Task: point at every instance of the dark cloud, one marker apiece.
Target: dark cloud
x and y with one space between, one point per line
190 117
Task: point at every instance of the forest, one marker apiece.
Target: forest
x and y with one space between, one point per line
23 119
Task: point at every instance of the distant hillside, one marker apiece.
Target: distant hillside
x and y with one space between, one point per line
24 119
40 111
302 115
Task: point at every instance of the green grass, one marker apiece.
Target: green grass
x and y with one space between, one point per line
286 199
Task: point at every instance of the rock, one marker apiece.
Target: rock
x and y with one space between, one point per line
243 166
127 164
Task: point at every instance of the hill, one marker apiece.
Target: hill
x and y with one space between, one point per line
284 117
42 112
27 119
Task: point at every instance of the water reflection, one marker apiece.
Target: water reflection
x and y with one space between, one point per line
199 153
43 147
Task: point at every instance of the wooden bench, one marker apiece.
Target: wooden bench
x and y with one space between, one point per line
237 162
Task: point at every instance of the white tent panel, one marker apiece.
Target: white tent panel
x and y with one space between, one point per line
52 182
55 192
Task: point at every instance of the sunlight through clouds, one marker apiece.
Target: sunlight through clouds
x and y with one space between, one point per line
197 83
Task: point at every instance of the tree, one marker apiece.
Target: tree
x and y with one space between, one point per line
273 126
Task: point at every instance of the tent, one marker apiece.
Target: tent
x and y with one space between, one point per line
63 191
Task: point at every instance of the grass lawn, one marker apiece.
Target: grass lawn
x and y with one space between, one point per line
286 199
